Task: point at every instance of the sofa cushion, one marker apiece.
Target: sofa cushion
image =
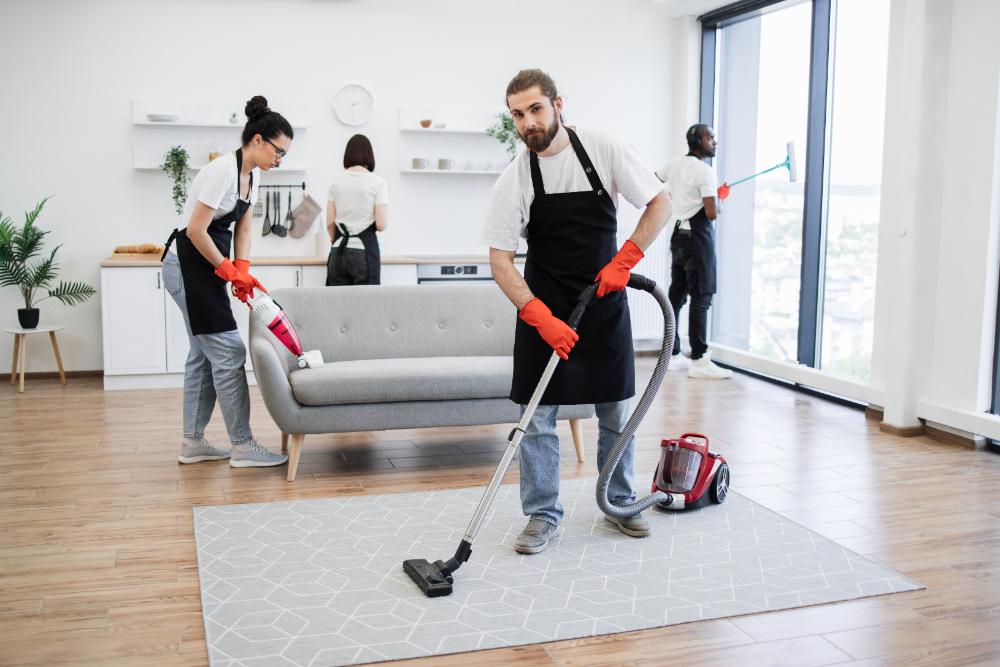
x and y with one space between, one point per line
391 380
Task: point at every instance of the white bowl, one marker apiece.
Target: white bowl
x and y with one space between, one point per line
163 117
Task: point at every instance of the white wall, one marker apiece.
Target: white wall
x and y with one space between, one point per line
940 225
68 72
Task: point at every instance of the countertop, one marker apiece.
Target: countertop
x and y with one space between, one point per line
150 259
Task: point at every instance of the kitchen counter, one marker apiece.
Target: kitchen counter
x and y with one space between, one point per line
150 259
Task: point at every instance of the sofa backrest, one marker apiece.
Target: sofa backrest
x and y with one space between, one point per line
399 321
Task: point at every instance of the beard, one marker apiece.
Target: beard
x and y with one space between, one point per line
538 140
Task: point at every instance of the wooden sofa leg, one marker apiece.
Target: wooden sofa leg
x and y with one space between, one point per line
284 443
574 426
294 448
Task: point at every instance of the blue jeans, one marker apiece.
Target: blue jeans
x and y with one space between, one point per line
214 370
539 460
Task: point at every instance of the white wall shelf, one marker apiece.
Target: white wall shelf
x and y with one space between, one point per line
200 128
462 139
441 130
452 171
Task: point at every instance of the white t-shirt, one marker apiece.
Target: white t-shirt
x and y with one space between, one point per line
356 194
616 162
216 186
688 179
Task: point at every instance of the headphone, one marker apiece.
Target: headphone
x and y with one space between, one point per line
694 137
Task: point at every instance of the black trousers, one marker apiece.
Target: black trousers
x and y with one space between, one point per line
683 282
352 269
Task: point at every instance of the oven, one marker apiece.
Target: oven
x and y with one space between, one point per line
453 273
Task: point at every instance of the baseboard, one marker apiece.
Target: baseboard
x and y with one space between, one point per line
874 413
952 436
48 375
902 431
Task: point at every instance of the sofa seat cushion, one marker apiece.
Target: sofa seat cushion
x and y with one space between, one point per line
393 380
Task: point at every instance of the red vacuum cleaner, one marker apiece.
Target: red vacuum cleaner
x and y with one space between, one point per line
687 470
269 313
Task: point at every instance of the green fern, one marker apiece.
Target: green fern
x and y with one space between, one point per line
20 245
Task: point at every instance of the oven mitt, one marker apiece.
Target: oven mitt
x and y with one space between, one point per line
559 336
304 215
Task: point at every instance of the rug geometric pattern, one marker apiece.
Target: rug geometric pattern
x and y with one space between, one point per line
320 582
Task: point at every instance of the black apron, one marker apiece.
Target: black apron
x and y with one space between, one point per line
372 252
703 240
571 237
204 292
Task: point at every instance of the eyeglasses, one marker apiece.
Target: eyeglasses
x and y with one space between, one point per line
278 152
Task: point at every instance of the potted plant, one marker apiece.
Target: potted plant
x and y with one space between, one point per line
18 246
175 163
503 130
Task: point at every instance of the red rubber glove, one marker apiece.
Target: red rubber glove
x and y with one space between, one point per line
723 191
614 277
238 274
559 336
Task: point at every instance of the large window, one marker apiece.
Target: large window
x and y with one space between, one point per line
763 102
857 116
797 259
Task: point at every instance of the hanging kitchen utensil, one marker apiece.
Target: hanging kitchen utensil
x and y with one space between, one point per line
267 215
258 208
289 220
304 215
278 228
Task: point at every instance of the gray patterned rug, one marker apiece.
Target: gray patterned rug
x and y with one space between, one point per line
320 582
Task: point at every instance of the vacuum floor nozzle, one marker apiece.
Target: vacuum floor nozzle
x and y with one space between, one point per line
430 577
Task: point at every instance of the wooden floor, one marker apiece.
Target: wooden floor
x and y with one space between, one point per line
97 557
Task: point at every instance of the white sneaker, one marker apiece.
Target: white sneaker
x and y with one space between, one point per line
196 451
704 369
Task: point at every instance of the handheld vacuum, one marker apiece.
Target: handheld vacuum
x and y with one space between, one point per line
267 311
435 579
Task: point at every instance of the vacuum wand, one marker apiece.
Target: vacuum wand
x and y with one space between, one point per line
789 163
435 579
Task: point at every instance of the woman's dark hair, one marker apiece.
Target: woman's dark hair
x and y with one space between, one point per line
359 153
261 120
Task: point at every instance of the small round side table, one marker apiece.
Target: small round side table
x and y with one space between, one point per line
21 350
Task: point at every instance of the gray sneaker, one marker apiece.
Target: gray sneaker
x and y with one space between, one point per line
196 451
252 455
634 526
535 536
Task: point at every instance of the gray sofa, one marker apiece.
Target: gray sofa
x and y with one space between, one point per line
396 357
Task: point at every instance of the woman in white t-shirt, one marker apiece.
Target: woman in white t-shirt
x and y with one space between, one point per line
357 208
199 276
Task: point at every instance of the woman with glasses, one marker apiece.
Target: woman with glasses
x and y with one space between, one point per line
222 194
357 207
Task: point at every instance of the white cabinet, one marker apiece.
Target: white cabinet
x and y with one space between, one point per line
399 274
314 275
132 300
177 341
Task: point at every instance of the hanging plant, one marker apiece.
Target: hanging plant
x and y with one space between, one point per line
175 163
503 130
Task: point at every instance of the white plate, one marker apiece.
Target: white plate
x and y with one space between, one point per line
163 117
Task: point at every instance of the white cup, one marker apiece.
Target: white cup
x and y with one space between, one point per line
421 163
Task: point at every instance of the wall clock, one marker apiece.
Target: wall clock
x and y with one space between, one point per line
353 104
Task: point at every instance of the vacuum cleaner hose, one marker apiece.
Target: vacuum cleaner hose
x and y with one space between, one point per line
662 363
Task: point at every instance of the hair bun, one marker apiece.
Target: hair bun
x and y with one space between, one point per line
256 107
